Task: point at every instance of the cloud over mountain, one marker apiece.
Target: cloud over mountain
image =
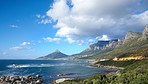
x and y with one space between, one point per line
91 18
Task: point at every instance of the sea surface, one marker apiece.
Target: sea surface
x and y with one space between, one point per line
49 69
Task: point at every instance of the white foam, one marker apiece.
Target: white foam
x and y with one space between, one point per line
29 65
34 65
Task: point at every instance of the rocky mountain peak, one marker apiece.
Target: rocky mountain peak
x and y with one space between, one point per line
145 33
55 55
57 50
131 35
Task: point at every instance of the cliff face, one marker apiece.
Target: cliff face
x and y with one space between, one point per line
145 34
111 44
131 35
97 46
105 47
91 49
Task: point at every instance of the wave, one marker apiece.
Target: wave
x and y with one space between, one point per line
34 65
28 65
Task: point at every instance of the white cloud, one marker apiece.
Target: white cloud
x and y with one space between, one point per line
58 10
91 41
81 42
26 44
69 40
42 20
49 39
45 21
103 38
38 15
43 16
14 26
4 53
90 18
19 48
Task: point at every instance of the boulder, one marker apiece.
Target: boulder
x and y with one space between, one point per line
61 80
38 76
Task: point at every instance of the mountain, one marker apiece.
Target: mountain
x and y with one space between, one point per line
145 34
91 49
131 41
55 55
131 35
134 45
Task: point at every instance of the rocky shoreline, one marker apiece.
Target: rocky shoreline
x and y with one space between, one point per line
59 80
21 79
92 65
108 67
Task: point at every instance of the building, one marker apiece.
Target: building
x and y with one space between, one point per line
130 58
116 59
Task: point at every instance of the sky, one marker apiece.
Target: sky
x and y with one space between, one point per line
35 28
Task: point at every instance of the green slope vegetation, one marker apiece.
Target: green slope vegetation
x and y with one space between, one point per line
125 48
135 73
117 63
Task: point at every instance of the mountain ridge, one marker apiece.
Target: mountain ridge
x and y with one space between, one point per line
131 41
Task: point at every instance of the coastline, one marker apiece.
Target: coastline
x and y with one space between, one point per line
108 67
92 65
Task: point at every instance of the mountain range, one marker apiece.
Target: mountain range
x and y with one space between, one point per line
107 49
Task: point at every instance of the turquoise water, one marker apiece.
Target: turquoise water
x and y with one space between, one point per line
49 68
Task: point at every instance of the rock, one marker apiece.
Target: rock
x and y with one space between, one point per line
131 35
3 77
112 44
65 74
61 80
2 80
8 79
145 34
39 81
21 80
38 76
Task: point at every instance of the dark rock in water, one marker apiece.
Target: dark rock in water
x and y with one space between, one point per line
38 76
39 81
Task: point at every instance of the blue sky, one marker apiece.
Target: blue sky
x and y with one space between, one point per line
22 13
34 28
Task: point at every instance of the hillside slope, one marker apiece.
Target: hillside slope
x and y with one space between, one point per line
132 41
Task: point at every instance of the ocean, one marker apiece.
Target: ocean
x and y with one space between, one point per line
49 69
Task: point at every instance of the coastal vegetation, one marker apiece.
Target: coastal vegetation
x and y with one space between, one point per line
117 63
134 73
133 49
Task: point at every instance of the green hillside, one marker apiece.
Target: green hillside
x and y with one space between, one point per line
138 48
134 73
